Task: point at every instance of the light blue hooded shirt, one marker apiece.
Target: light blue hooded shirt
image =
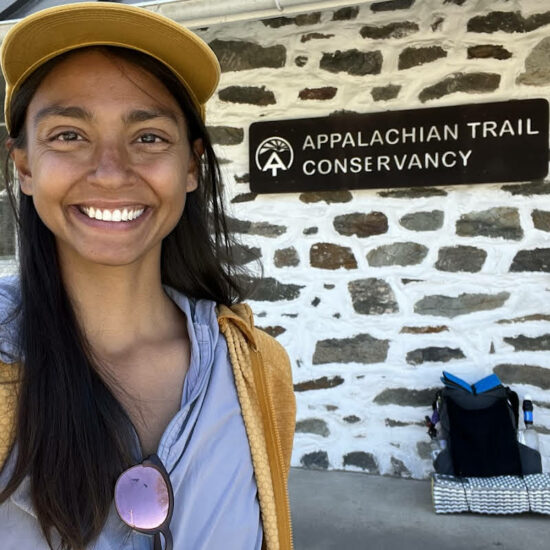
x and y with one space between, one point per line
204 448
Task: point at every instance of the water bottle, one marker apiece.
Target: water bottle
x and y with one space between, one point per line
528 411
528 436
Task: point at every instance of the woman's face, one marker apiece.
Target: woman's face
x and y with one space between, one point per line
107 159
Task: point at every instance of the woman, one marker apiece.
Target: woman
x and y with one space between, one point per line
135 398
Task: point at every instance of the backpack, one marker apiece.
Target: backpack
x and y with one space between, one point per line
479 422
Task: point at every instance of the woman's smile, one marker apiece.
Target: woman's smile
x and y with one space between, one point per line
126 214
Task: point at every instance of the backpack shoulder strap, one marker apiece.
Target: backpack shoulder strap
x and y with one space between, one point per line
514 402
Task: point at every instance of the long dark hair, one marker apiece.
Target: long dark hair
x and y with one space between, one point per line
73 436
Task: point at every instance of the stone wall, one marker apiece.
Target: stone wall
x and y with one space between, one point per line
374 293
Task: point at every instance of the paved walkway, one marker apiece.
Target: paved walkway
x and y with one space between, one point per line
354 511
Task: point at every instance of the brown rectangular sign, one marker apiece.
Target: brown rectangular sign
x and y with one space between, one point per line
478 143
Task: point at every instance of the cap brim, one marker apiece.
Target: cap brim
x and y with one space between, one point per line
46 34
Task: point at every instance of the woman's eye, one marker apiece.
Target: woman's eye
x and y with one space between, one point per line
150 138
67 136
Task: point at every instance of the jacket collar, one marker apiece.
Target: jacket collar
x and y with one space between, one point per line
241 316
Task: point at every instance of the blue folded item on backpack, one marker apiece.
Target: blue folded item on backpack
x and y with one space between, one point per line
483 385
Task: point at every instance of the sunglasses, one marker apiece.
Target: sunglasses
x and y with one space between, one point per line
144 500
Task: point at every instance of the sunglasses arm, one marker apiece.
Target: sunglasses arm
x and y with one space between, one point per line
167 540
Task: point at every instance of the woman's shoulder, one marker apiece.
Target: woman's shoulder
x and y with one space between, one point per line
10 299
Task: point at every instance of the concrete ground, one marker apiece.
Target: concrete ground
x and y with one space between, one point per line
354 511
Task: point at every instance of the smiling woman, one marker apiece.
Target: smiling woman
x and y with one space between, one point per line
136 400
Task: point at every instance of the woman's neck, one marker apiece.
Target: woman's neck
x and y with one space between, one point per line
120 308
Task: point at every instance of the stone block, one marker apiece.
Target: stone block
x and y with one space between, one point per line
528 189
391 30
313 426
317 460
315 36
286 257
327 92
412 57
507 21
406 397
330 197
239 55
529 343
434 354
244 197
300 20
488 51
345 14
537 66
7 228
253 95
243 254
322 383
225 135
352 419
274 330
301 60
372 297
264 229
398 468
424 450
353 62
424 330
524 374
361 225
541 219
471 83
496 222
390 423
331 256
385 93
310 231
423 221
391 5
365 461
525 319
268 289
402 254
362 348
413 193
456 259
451 307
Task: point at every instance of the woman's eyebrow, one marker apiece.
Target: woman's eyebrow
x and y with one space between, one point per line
138 115
60 110
143 115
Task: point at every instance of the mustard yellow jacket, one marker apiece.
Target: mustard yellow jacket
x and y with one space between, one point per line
264 385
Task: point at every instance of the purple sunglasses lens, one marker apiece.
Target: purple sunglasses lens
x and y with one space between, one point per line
141 497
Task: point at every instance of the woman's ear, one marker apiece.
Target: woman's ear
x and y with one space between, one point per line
21 162
197 151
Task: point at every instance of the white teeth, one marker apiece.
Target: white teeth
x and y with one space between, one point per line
112 215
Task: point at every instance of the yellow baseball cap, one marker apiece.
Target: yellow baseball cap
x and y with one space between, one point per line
46 34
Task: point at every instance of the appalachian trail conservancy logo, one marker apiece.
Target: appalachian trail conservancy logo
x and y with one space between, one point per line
274 154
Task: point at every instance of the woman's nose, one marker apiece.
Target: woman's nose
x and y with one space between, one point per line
111 167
